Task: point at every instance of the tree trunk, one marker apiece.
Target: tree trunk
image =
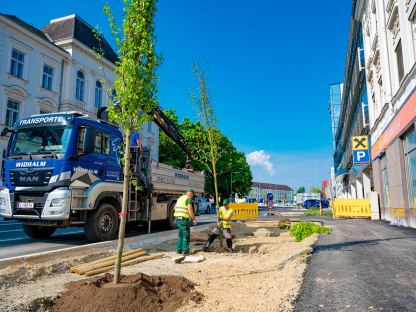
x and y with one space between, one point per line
124 208
214 171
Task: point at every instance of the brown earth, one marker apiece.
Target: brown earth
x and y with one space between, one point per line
263 274
139 292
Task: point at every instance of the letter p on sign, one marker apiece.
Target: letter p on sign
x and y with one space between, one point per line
361 157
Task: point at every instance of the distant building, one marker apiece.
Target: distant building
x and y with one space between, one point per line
280 192
335 94
55 69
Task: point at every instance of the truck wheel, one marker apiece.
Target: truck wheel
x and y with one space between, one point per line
37 231
171 218
102 224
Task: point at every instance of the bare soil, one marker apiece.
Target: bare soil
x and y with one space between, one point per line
139 292
263 274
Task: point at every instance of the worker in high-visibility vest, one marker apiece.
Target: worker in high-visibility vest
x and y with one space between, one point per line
184 212
225 213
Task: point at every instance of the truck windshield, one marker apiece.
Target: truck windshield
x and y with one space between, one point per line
45 140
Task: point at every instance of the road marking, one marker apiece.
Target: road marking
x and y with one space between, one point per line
19 230
13 239
52 237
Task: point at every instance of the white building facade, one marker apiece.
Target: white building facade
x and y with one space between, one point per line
389 32
56 69
280 192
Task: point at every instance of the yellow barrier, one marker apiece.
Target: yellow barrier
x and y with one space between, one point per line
245 211
351 208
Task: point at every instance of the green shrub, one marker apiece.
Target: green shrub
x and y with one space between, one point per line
315 212
302 230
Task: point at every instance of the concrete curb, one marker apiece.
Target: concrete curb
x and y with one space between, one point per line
102 247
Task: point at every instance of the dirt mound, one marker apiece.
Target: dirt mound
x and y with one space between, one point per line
138 292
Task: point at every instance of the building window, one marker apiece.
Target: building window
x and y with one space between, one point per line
410 157
17 63
47 77
12 112
80 87
399 59
98 94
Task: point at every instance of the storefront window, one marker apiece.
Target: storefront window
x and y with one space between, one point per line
410 156
386 193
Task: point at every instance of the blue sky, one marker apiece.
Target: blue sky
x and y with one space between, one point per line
268 64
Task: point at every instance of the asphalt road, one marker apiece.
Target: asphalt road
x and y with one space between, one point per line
362 266
14 242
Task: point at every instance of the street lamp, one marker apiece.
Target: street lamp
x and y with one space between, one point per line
232 182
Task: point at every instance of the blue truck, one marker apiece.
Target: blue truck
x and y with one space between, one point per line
64 169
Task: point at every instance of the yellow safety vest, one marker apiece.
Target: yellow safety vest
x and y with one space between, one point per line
181 209
224 214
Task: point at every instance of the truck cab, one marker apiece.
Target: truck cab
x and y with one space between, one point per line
46 158
64 169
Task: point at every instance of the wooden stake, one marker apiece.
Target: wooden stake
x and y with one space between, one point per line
110 262
76 268
126 263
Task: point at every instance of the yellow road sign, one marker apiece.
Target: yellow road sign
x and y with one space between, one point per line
360 143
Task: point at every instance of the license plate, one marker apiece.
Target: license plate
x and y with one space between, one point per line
26 205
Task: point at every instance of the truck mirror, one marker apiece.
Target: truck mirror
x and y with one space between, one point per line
89 140
5 131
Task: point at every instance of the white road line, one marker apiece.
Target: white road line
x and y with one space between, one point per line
21 238
7 231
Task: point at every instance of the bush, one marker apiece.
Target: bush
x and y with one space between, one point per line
315 212
284 224
302 230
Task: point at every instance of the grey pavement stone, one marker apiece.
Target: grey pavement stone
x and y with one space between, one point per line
362 266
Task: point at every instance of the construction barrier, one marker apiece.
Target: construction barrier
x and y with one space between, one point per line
245 211
351 208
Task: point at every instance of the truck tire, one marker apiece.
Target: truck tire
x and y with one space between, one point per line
171 218
102 224
37 231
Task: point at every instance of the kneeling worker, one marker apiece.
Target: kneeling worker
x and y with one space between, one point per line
184 212
225 213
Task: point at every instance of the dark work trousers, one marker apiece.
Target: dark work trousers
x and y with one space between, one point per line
184 235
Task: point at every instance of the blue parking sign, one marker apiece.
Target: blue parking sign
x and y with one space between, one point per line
361 157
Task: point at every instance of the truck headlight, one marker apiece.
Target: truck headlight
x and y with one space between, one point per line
58 202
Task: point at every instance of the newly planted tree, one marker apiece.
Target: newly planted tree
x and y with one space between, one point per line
135 87
209 152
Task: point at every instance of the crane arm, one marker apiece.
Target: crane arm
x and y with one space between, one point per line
172 131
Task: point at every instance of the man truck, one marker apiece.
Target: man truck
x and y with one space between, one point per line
64 169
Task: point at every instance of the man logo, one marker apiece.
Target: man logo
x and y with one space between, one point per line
29 179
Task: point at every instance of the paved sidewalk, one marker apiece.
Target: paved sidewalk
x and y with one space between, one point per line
362 266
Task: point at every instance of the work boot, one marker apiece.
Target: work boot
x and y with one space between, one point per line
208 243
230 245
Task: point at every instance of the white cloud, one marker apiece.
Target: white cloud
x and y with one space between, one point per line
261 159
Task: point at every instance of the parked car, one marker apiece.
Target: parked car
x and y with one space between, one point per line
261 205
204 204
315 203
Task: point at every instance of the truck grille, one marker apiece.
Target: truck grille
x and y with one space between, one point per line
37 199
26 177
